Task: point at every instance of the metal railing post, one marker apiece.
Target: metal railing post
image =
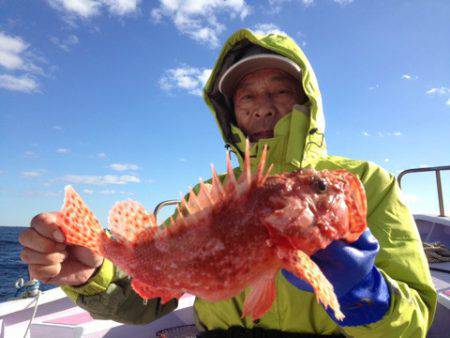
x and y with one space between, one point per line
437 171
440 197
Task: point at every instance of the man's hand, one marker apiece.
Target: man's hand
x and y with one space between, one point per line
49 259
361 289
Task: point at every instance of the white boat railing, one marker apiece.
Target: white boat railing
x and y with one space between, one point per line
437 171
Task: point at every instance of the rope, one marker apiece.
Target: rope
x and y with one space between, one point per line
34 314
25 290
436 252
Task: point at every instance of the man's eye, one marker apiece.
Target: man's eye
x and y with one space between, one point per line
283 91
246 97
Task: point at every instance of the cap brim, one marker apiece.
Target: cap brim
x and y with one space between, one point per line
236 72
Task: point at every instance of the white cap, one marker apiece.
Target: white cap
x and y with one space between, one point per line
252 63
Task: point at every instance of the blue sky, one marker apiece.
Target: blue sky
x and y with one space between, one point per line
104 94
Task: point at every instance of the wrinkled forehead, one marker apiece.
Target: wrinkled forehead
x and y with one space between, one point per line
266 76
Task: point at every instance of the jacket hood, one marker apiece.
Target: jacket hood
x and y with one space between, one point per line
308 142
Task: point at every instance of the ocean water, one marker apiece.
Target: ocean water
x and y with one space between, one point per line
11 267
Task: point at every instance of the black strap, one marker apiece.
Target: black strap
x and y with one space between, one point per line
241 332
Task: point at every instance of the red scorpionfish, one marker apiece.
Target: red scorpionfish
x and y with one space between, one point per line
229 236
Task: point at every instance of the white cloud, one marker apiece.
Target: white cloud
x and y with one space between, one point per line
438 91
374 87
395 133
386 160
406 77
62 151
114 192
30 153
89 8
100 180
31 174
182 159
343 2
187 78
340 2
67 43
382 134
198 19
82 8
122 7
40 193
11 49
107 192
123 166
15 56
268 28
57 127
88 191
276 5
23 83
101 155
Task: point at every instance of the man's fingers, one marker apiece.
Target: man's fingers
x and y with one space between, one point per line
45 224
86 256
29 238
74 273
44 272
33 257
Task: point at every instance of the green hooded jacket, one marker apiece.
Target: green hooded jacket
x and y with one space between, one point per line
298 142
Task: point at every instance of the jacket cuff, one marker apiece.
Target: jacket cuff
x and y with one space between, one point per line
98 283
367 302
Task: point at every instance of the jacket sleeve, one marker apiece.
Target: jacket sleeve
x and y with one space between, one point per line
108 295
401 260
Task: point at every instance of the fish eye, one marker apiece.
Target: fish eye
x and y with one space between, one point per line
321 185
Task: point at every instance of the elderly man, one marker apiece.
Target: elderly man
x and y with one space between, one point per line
263 88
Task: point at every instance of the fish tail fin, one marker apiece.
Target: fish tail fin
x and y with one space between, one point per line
130 224
260 298
302 266
78 223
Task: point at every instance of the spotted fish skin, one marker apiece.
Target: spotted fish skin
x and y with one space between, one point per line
229 236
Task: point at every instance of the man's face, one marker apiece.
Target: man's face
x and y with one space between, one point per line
263 97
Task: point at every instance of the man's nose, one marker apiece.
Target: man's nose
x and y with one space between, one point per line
265 108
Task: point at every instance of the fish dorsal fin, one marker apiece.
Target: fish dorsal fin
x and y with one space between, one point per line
247 178
130 223
217 192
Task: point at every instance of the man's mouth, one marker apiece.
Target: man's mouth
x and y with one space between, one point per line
262 134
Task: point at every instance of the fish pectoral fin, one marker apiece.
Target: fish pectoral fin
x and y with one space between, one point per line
148 292
260 298
302 266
